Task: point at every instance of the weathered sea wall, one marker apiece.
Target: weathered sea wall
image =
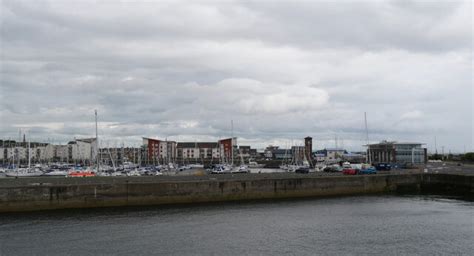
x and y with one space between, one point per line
60 193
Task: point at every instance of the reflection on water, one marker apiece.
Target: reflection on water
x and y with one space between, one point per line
354 225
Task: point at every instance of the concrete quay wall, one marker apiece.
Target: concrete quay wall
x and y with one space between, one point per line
31 195
443 183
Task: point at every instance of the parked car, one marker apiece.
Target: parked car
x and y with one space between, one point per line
302 170
369 170
349 171
332 169
383 167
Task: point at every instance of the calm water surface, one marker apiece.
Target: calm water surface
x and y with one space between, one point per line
388 225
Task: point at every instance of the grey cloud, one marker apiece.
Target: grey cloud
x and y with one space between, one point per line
281 71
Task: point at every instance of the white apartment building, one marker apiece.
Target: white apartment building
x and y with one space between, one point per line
82 149
198 150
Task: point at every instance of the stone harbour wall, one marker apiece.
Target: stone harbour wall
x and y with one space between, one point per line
60 193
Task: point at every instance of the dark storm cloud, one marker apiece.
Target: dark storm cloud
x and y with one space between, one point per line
280 70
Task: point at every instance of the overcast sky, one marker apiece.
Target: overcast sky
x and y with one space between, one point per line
281 70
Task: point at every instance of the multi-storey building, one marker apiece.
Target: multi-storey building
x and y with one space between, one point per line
118 156
247 152
226 149
397 152
198 150
159 150
82 150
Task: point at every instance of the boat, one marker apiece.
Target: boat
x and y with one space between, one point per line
253 164
56 172
81 174
129 165
196 166
221 169
302 169
102 174
241 169
184 167
285 164
117 173
190 166
24 172
300 165
134 173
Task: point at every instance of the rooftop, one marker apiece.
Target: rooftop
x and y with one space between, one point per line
334 149
384 142
197 145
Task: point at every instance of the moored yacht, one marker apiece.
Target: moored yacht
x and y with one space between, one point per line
81 174
241 169
24 172
253 164
221 169
56 172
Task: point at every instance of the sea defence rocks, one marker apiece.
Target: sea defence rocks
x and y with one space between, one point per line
58 193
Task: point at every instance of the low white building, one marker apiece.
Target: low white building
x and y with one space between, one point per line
198 150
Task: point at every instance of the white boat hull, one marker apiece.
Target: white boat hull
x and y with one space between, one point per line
24 174
56 173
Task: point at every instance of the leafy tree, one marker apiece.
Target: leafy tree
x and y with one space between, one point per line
468 157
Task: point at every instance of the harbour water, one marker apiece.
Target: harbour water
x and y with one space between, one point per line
389 225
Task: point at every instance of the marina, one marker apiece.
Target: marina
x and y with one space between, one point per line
48 193
236 128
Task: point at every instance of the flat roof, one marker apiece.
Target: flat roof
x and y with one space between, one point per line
395 143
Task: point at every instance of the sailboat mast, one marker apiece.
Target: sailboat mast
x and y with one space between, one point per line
97 156
18 148
367 137
29 154
232 141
